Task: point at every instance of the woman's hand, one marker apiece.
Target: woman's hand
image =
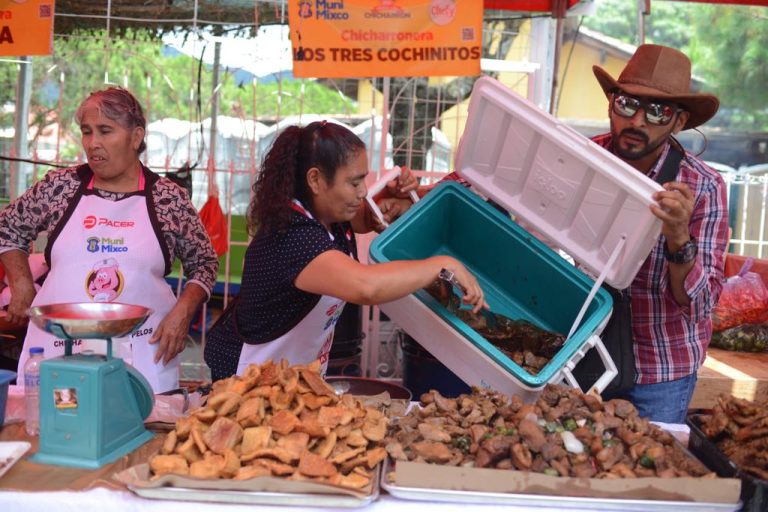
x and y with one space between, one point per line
171 335
392 208
473 294
173 329
19 276
402 186
21 299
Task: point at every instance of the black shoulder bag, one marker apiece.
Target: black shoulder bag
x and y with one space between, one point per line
617 336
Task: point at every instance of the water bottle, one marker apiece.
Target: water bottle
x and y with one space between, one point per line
32 390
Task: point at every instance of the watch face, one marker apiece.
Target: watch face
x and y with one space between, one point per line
685 254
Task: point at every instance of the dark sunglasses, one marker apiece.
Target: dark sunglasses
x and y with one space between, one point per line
656 112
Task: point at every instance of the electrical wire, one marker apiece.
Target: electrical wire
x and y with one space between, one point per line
30 161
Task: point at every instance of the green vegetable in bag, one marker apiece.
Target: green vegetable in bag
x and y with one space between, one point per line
742 338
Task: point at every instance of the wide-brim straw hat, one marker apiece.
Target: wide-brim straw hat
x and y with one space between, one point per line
661 73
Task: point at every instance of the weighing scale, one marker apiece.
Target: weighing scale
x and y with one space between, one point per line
92 406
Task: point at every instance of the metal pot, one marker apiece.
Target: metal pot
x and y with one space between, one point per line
363 386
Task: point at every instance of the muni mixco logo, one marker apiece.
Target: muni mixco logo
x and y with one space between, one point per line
323 9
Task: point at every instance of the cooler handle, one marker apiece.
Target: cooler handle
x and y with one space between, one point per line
379 186
610 373
597 284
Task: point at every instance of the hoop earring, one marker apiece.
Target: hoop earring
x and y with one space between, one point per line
704 138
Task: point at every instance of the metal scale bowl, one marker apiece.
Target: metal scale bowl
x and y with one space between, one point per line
92 406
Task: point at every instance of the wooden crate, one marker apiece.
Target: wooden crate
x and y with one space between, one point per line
741 374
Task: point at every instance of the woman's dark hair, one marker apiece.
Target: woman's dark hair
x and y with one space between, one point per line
283 173
119 105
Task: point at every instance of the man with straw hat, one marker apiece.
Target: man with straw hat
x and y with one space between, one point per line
679 283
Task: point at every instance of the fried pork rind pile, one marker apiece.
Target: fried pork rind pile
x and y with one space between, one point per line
565 433
276 420
740 429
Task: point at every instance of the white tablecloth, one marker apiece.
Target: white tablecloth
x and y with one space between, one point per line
105 500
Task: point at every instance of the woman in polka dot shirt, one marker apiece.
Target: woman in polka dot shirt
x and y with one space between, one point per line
301 266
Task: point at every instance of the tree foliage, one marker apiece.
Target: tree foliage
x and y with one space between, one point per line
731 47
167 85
728 45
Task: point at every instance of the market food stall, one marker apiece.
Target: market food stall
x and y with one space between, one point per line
36 486
281 435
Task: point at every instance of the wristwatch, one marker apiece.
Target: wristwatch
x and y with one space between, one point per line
685 254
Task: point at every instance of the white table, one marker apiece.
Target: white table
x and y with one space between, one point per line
106 500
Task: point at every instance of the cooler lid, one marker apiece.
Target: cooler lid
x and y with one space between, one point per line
582 198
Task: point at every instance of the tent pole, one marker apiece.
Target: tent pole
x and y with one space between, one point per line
558 12
214 117
20 170
643 9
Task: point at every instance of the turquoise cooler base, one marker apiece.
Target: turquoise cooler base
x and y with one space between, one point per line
6 376
522 278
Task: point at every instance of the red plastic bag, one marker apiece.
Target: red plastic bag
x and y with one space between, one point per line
215 224
744 300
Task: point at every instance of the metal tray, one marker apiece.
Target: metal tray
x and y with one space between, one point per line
10 453
542 500
255 498
754 491
305 499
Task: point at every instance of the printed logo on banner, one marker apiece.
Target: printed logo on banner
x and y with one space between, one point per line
324 10
442 12
305 9
387 9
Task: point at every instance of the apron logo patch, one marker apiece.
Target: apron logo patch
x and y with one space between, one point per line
141 332
106 244
91 221
335 313
105 282
61 343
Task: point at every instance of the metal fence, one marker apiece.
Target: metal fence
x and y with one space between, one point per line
748 206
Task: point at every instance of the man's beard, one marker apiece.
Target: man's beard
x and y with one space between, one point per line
638 151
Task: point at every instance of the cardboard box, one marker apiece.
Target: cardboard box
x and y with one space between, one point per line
431 482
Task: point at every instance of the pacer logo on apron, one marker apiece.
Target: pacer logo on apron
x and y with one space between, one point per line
104 283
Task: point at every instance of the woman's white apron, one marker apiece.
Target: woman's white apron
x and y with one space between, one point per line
108 251
308 340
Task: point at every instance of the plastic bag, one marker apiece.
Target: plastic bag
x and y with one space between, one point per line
215 224
744 300
742 338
